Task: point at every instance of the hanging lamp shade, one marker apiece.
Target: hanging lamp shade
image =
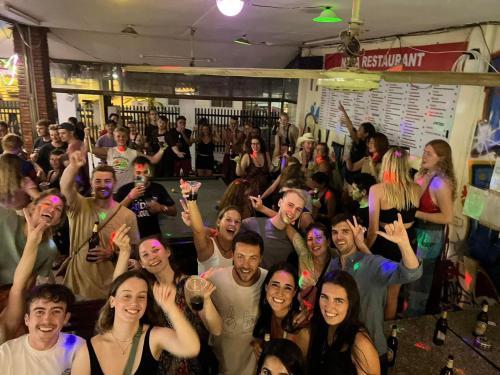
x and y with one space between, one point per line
327 16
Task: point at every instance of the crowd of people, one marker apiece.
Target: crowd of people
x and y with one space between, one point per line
310 253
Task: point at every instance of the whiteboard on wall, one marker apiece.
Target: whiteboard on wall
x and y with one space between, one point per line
410 115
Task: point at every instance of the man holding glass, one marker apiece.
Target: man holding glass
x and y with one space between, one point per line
146 199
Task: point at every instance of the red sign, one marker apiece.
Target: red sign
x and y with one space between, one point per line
436 57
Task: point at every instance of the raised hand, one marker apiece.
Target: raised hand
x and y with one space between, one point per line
164 296
121 239
137 191
76 159
35 232
185 187
395 232
256 202
186 217
358 231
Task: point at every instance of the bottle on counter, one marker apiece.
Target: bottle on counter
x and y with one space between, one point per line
392 346
440 330
448 369
481 322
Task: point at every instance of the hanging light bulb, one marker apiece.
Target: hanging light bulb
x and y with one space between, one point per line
230 8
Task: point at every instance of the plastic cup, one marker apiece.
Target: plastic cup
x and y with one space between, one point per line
195 287
195 186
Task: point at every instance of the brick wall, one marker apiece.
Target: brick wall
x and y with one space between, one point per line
40 101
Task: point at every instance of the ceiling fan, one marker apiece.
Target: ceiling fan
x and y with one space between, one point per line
191 58
350 78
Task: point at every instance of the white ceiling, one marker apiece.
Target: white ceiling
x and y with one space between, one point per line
90 29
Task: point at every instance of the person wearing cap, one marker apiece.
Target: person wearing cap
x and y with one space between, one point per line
305 145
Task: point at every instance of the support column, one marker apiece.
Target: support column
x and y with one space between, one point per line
35 91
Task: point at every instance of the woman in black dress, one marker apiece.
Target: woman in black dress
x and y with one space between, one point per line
205 151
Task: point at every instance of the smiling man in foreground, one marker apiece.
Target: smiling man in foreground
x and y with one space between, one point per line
44 350
89 273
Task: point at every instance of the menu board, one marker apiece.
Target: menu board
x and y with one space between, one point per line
410 115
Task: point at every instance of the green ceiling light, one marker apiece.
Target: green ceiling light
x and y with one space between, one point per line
327 16
243 40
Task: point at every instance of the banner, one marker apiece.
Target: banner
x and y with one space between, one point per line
419 58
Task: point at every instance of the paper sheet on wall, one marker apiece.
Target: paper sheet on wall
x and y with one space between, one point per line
495 177
475 202
409 115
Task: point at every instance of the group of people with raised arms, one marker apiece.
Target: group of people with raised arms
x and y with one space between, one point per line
295 276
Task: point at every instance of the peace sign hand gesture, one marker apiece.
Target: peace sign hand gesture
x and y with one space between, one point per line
395 232
35 232
358 231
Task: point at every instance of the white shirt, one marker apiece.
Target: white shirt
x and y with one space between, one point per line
17 357
122 164
216 260
238 306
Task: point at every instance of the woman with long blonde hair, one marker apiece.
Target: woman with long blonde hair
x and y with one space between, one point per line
396 193
437 180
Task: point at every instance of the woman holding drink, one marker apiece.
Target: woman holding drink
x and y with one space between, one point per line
193 298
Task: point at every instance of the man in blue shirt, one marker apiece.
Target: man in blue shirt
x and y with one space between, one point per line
373 273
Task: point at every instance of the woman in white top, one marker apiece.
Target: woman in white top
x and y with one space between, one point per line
212 250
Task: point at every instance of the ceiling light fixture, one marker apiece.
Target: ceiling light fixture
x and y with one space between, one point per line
129 30
243 40
327 16
230 8
17 14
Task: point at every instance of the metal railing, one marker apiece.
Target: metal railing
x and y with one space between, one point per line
10 112
218 119
139 115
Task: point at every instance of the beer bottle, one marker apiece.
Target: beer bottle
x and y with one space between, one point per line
440 330
482 322
93 241
448 369
392 346
231 155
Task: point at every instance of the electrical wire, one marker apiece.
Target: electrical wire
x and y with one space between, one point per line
485 42
75 47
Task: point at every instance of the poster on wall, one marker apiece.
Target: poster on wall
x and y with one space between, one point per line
410 115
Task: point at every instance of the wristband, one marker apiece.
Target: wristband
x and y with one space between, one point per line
192 196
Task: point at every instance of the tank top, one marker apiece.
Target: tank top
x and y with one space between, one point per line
206 149
335 362
148 364
426 203
390 215
216 260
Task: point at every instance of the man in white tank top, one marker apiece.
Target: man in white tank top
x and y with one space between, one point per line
237 300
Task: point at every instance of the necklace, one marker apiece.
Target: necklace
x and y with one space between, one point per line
123 349
224 251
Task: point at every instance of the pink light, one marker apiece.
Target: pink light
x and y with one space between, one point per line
468 280
156 243
423 346
55 200
230 8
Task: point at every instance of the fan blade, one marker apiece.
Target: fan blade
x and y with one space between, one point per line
234 72
436 78
444 78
